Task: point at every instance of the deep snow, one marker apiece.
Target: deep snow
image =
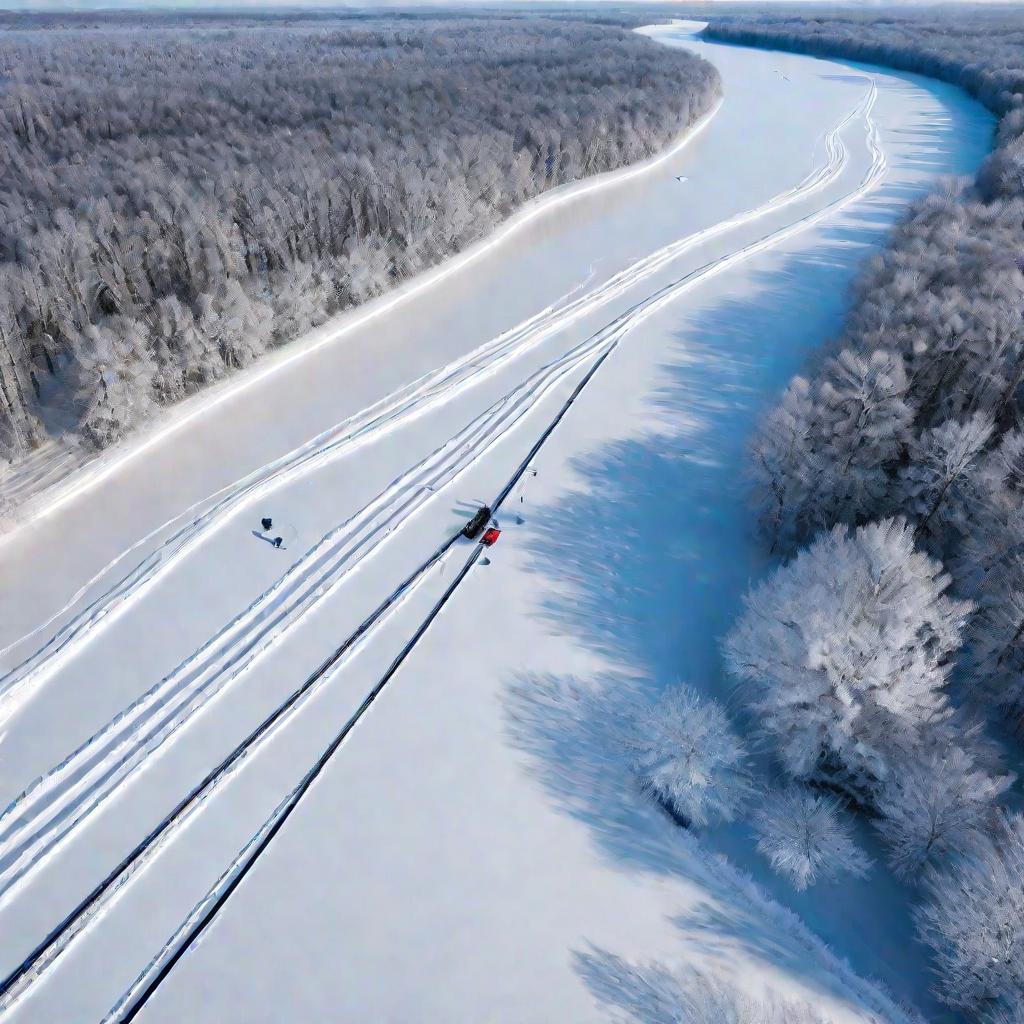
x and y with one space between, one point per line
476 851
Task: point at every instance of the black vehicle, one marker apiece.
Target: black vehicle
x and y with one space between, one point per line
480 519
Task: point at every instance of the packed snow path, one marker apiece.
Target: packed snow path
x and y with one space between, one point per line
42 815
117 657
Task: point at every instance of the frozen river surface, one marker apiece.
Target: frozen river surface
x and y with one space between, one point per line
476 849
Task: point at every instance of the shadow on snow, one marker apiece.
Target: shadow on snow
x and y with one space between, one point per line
645 563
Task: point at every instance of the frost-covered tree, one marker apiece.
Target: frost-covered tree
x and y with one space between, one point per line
20 430
989 565
823 454
989 515
116 381
940 465
783 465
686 752
997 639
804 836
865 423
844 654
973 919
199 190
937 803
235 324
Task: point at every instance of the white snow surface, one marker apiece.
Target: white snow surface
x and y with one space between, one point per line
477 849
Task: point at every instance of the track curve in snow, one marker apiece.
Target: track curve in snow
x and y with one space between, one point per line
199 522
33 827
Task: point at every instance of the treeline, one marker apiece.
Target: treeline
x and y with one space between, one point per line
179 196
892 475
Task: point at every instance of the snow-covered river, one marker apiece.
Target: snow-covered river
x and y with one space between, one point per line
477 849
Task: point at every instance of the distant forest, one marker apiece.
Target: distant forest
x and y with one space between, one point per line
881 658
179 196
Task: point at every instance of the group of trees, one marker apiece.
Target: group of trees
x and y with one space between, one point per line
178 196
893 476
845 655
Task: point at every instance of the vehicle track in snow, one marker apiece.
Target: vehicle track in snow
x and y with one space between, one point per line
396 410
33 826
133 1000
471 442
102 896
35 823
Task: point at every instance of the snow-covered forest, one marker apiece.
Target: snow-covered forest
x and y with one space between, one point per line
885 658
179 197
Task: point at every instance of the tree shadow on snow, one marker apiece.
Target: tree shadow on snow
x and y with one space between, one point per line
644 992
645 563
574 732
651 993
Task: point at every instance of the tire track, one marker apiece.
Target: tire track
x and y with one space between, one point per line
34 826
416 399
598 347
92 908
132 1001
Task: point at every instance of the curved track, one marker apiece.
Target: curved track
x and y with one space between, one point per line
34 822
33 827
368 425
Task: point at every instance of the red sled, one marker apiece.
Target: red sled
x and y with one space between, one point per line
491 534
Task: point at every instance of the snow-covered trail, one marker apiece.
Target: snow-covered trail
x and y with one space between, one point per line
445 434
44 814
396 410
202 915
95 772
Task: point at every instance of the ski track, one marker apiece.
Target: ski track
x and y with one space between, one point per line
71 929
35 824
607 337
86 779
397 409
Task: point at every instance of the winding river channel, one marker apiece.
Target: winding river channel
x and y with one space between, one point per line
147 628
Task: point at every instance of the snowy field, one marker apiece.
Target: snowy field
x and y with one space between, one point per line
476 850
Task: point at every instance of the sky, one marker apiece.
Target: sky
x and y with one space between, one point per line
194 5
53 6
199 5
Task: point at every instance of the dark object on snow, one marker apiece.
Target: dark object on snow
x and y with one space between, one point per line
491 534
477 523
278 541
266 522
